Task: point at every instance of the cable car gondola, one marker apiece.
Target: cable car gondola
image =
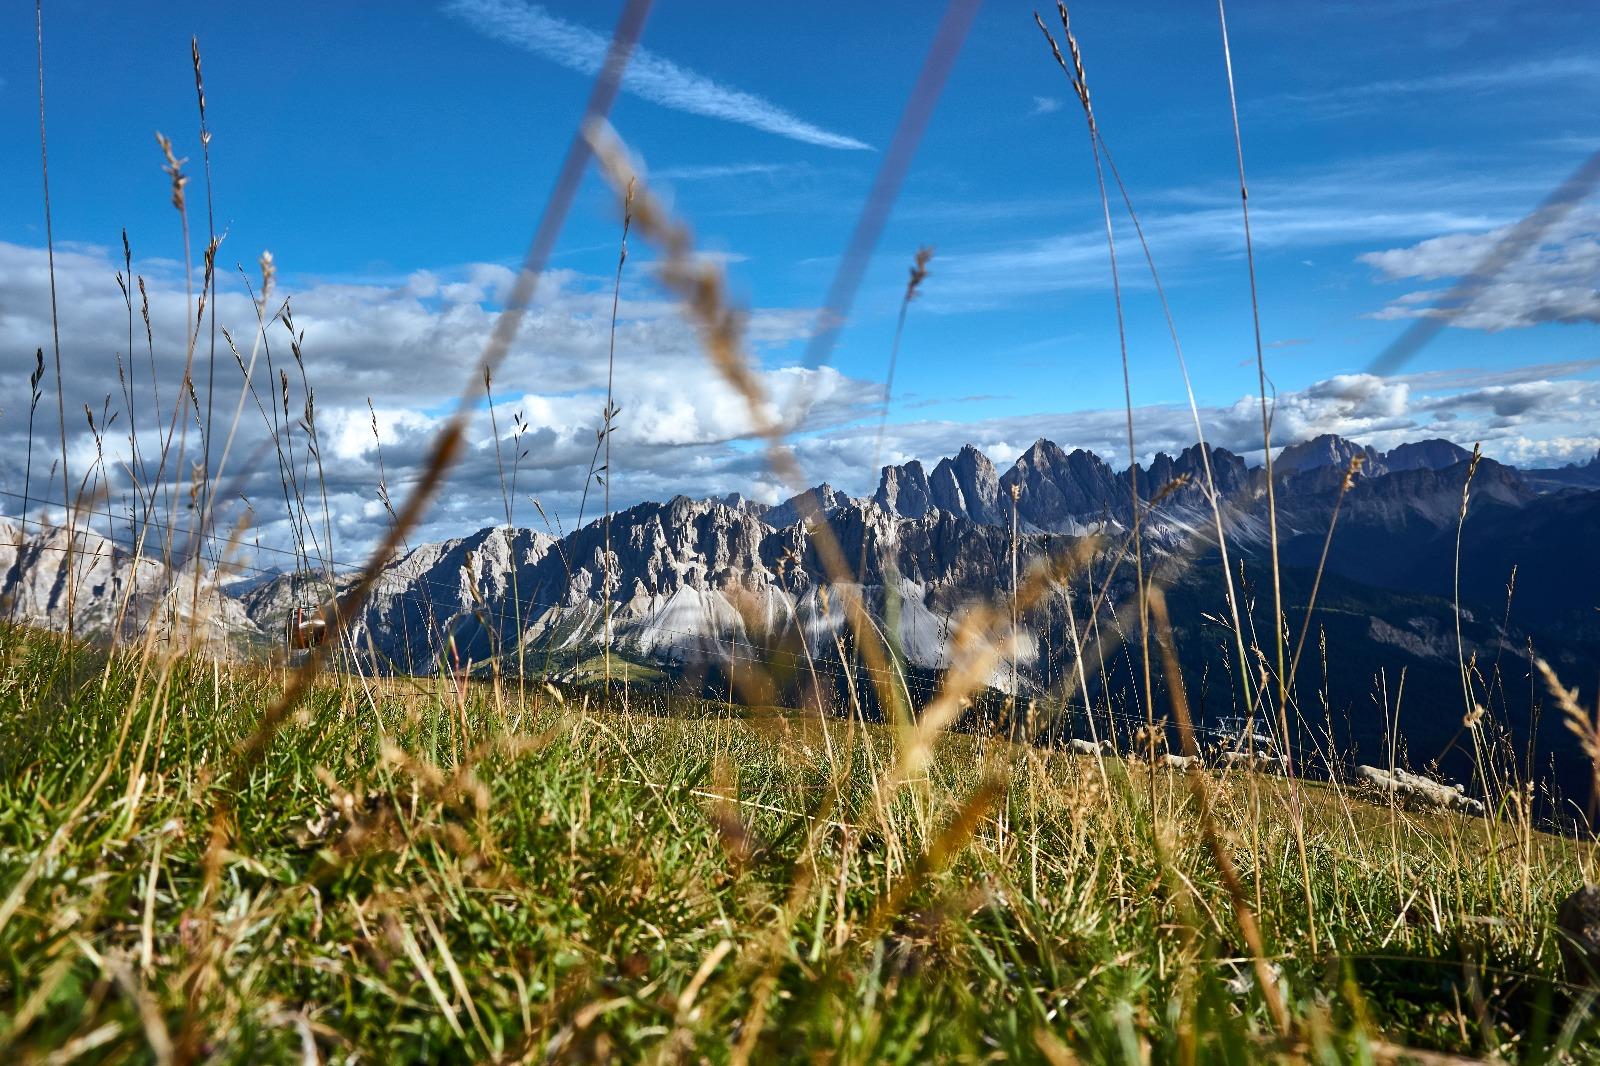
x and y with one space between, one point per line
308 621
307 627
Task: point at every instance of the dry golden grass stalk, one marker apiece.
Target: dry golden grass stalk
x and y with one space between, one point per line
448 443
1578 722
1081 88
173 168
1243 914
701 287
976 648
55 322
919 271
1076 76
610 418
1349 480
919 274
699 283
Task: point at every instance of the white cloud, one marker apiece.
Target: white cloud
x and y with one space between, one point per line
715 171
1045 105
649 76
1558 280
1365 201
409 346
1568 73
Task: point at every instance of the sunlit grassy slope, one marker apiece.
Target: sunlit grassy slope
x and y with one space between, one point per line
418 872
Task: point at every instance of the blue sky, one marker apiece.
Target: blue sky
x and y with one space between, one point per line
393 158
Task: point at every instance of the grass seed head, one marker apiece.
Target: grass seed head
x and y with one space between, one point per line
173 168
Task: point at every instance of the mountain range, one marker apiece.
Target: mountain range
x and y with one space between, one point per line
708 581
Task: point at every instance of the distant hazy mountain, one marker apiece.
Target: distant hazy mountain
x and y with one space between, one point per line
1571 476
1435 454
1327 450
1330 450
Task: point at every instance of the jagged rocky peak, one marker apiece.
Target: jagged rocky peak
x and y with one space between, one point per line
740 502
822 498
509 547
1434 454
1230 472
969 485
1327 450
1058 490
905 490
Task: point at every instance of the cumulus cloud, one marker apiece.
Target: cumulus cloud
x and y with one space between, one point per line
1558 280
649 76
1508 403
407 348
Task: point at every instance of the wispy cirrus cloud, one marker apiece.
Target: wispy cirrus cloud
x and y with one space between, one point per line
649 76
718 171
1362 97
1357 202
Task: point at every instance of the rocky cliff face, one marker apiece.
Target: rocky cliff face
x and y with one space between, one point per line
1061 492
115 594
680 580
968 485
1230 473
905 490
821 499
1327 450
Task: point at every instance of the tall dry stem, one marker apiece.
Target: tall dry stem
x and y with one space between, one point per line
55 329
610 419
1080 86
1278 631
1244 915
